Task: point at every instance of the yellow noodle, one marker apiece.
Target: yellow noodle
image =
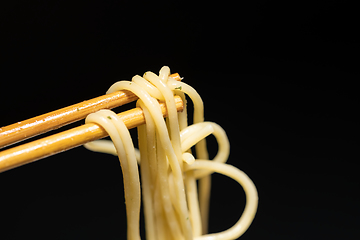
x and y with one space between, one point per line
174 207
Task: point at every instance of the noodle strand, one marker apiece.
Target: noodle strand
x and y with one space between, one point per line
174 207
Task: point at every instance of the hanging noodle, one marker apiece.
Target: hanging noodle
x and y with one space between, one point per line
174 208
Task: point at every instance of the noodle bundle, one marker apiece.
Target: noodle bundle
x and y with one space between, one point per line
175 206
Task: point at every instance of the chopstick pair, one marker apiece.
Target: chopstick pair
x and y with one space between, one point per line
71 138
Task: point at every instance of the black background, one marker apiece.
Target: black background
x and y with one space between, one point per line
286 91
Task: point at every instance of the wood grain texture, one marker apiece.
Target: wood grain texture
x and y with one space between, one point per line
37 125
69 139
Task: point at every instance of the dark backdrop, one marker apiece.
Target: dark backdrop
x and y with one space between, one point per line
286 93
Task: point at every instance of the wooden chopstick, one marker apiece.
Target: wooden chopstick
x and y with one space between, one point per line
37 125
66 140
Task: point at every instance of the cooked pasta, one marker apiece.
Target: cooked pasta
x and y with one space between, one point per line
174 207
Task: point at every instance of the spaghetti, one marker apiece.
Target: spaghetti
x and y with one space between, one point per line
173 206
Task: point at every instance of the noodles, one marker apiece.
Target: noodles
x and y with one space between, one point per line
174 207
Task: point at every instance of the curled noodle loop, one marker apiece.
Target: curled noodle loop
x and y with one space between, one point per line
175 207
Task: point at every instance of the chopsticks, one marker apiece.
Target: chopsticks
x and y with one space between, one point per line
34 126
71 138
